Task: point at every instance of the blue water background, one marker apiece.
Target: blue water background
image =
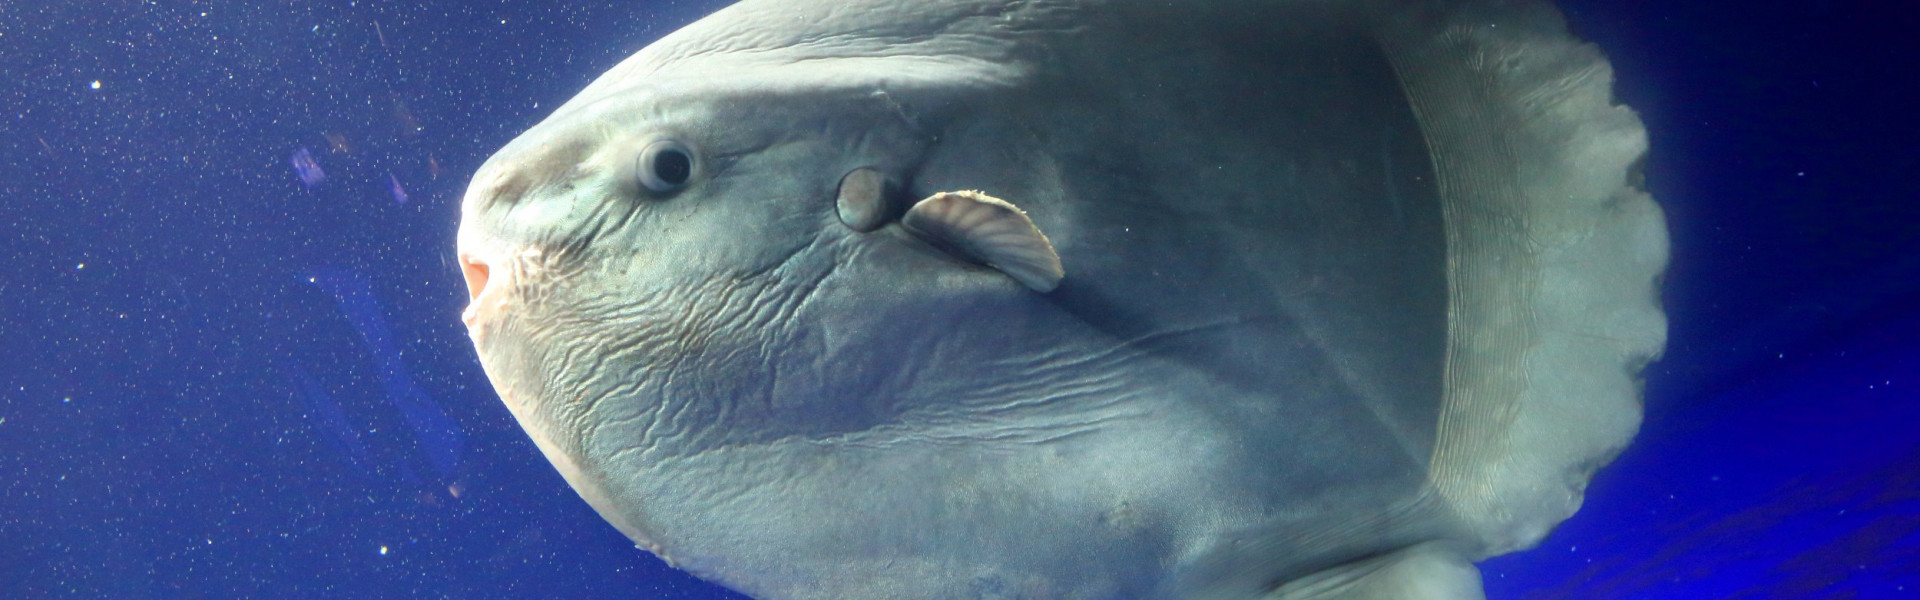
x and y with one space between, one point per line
227 371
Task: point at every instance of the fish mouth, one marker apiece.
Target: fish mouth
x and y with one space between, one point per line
477 274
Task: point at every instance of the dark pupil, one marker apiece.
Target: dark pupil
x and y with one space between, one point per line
672 167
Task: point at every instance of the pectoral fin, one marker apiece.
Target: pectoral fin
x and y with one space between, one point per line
863 198
989 231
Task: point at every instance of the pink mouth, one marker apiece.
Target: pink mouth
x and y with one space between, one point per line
476 273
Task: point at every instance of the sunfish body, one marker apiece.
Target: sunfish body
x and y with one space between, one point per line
1078 298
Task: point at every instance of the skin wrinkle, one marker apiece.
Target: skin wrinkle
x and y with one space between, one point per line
1029 395
598 362
729 319
959 434
1106 357
586 321
527 278
1103 384
693 361
606 220
603 347
780 324
747 308
812 288
626 387
772 305
631 389
1022 422
1017 393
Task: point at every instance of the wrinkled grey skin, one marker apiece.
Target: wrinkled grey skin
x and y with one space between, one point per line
1356 293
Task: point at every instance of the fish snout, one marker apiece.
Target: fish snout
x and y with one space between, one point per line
481 298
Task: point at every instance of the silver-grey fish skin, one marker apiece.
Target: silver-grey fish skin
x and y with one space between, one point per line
1356 293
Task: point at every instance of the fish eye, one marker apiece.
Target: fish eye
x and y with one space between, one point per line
665 166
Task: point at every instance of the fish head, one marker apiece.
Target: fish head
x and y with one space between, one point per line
670 266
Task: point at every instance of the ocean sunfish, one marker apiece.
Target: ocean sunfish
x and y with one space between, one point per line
1079 298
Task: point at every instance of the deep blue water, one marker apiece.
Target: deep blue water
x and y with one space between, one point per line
231 363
